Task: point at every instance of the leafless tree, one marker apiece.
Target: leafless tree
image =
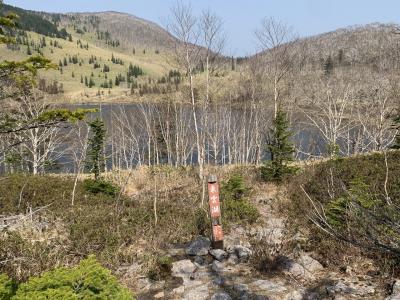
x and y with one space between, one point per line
78 150
40 145
276 40
184 25
329 115
374 115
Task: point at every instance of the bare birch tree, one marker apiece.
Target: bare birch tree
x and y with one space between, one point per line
184 26
39 146
276 40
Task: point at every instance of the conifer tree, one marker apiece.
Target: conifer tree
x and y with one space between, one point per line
91 83
281 150
95 163
328 66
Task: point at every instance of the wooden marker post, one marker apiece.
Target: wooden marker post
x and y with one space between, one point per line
215 213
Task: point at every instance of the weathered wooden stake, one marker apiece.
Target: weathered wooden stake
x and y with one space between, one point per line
215 213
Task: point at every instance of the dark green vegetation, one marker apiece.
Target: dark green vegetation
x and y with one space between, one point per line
99 185
88 280
236 208
349 204
32 21
95 162
281 150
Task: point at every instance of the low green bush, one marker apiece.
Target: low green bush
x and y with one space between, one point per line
236 208
100 186
89 280
239 211
7 287
235 188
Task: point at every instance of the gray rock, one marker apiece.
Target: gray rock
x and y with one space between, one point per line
179 290
221 296
395 291
199 246
310 263
217 266
267 285
183 268
202 274
233 259
351 288
199 260
396 288
304 268
219 254
243 253
241 288
198 293
295 295
219 281
312 296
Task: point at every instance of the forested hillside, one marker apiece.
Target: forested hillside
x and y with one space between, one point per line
95 59
34 21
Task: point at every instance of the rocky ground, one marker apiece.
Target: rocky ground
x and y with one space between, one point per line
199 272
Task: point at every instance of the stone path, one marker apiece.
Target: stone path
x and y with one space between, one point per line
199 272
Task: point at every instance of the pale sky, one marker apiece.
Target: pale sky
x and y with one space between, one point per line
241 18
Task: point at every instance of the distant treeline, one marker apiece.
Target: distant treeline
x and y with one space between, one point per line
31 21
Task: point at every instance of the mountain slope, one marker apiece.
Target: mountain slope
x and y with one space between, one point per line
96 53
130 31
34 21
371 44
